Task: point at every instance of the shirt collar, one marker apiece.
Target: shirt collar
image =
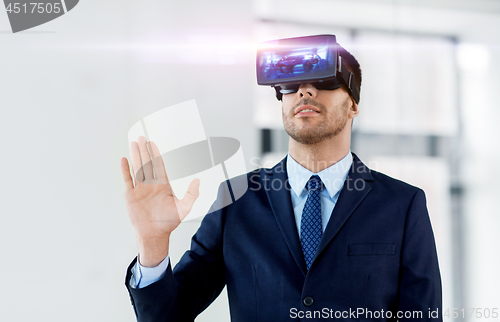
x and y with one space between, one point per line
332 177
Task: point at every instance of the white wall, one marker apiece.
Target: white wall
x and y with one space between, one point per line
70 91
481 157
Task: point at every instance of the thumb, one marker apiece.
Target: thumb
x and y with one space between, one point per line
192 193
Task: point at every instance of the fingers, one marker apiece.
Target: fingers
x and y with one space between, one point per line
158 165
147 166
135 157
127 179
190 197
147 158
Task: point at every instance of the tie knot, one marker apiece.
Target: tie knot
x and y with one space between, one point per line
314 183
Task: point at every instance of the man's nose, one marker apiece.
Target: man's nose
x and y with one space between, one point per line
307 90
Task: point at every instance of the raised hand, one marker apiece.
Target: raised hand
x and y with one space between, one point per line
153 208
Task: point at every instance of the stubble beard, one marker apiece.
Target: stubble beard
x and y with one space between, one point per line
330 126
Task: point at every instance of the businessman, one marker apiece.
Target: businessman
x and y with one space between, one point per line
318 236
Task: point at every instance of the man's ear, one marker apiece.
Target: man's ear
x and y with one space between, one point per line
353 110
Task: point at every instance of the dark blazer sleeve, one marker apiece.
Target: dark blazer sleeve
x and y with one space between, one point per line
195 282
420 284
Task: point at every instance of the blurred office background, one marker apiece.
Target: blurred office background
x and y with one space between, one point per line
72 88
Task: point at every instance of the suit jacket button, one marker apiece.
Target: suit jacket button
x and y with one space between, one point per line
308 301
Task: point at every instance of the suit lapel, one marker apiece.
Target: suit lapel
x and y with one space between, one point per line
281 204
353 192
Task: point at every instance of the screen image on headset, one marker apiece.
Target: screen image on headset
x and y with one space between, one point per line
277 64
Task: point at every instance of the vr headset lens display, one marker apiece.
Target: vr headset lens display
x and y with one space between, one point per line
287 63
295 60
303 63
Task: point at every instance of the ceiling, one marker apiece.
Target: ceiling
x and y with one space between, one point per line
465 20
488 6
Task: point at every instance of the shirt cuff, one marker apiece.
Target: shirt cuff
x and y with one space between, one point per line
144 276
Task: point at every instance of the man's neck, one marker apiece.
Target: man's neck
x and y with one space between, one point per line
319 156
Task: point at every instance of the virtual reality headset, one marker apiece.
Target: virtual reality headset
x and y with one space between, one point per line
286 63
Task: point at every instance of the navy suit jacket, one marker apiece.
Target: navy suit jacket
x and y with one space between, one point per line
377 254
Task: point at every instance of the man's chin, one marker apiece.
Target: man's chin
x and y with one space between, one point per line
306 137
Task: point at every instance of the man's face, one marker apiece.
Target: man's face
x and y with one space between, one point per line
331 110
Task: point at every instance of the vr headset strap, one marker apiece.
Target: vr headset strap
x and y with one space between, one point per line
348 79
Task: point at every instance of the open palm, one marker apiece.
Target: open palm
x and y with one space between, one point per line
153 208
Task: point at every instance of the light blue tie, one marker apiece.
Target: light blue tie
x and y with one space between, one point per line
310 224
